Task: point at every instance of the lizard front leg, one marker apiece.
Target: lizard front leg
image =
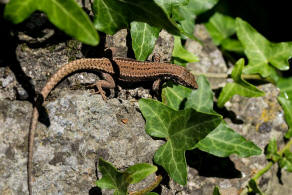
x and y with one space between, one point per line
107 82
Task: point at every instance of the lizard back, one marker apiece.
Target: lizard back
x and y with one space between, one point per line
124 70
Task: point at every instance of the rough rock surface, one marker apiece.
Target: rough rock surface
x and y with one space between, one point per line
82 127
211 58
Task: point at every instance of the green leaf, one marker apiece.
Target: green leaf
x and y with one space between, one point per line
286 161
199 6
144 37
18 10
113 15
65 14
253 187
287 107
186 18
272 147
285 85
202 98
272 151
216 191
180 53
182 129
220 27
173 95
285 99
114 179
186 14
232 45
170 4
262 54
151 193
239 86
224 141
139 172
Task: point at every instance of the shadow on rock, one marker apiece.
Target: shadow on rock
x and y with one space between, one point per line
211 166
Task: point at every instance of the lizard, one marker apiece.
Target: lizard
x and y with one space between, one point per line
119 69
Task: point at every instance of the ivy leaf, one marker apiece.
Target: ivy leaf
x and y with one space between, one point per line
114 179
113 15
182 129
239 86
232 45
286 161
262 54
285 85
17 11
287 107
199 6
220 27
173 95
222 141
186 18
272 151
202 98
186 14
169 5
139 172
65 14
285 99
144 37
180 55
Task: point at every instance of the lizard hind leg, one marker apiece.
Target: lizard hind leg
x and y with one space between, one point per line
156 87
107 82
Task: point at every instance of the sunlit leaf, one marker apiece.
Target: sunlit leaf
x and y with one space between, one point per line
113 15
67 15
262 54
182 129
239 86
144 37
114 179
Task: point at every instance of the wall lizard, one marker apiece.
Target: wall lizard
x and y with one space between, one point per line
119 69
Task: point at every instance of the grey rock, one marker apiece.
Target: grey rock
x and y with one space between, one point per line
210 57
83 128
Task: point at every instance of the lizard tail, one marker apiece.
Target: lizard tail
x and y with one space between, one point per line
33 124
104 64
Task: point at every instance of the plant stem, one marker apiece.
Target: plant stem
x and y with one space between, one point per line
211 75
151 187
286 147
270 164
263 171
225 76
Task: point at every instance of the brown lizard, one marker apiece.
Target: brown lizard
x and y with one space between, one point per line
116 69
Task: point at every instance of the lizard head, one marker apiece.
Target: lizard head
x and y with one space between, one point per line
186 78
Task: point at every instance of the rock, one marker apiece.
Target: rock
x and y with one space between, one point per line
210 57
83 128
